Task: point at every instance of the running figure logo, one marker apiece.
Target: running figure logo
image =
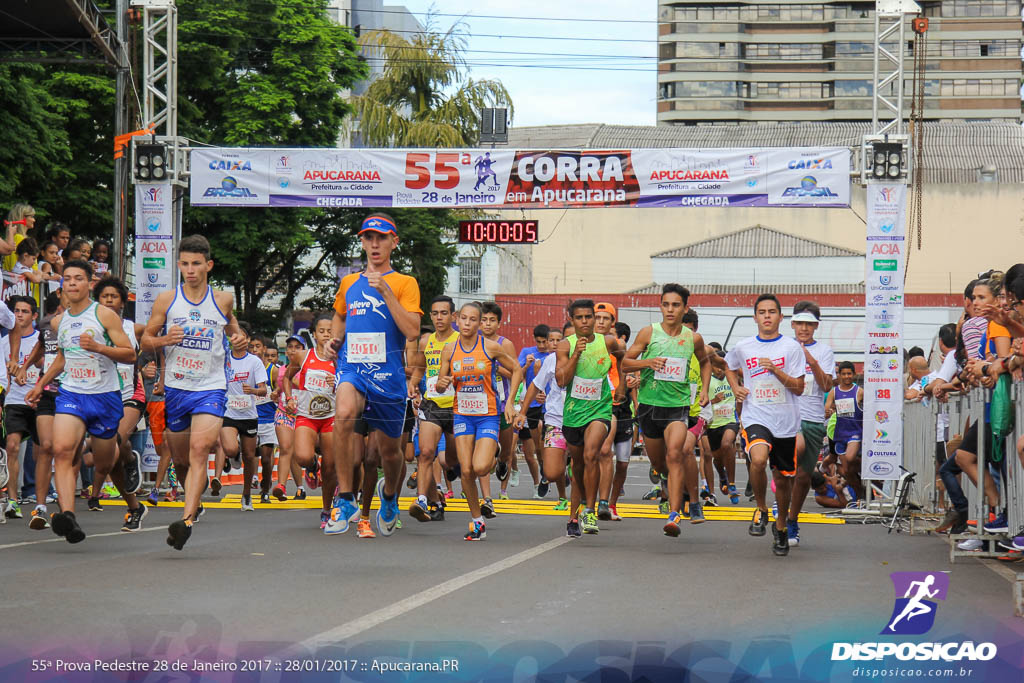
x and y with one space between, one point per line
484 171
914 612
375 303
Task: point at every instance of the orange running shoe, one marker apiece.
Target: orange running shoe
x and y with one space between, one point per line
364 530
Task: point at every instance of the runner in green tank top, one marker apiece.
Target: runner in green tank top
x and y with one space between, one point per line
662 352
582 369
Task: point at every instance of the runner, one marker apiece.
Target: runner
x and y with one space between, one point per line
199 326
623 415
531 436
266 436
773 378
435 409
284 423
604 323
662 352
470 365
91 341
819 372
247 379
582 368
19 416
374 312
847 402
490 322
698 420
721 436
308 386
152 371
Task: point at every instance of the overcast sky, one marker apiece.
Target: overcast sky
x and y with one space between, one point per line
618 85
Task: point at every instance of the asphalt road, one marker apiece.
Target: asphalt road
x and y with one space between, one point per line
269 584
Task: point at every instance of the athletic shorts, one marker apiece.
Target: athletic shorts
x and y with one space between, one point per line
283 419
384 413
47 404
101 413
136 403
553 437
479 426
322 425
623 415
814 435
534 417
156 418
655 419
181 404
410 418
574 435
839 447
245 427
970 441
21 419
267 434
360 427
140 390
781 450
436 415
716 434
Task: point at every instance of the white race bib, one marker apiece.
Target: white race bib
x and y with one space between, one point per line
845 407
587 389
319 382
366 347
432 388
31 375
769 392
675 370
126 373
84 371
191 364
48 360
239 402
724 410
472 402
810 386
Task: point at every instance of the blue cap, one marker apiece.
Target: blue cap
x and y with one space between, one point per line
378 224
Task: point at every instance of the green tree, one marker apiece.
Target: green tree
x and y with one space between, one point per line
425 97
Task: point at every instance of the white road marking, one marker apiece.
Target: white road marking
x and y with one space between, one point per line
58 539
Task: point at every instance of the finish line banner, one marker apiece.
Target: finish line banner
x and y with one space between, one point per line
505 179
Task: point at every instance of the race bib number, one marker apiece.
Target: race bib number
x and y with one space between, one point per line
48 360
319 382
240 402
768 392
432 388
810 386
694 390
472 402
724 411
675 370
191 364
126 373
587 389
845 407
366 347
83 371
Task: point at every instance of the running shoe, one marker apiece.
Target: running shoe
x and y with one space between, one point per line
793 530
487 509
568 471
1015 543
200 511
671 527
696 513
387 516
970 544
686 506
264 499
449 495
515 478
343 512
13 510
154 497
280 493
723 487
4 472
66 526
418 510
709 500
50 497
615 514
663 507
178 534
748 491
133 518
39 519
759 523
775 509
410 483
734 497
998 525
133 472
780 546
436 513
171 496
312 475
501 470
300 494
94 505
364 530
537 496
563 504
653 494
589 522
543 487
324 516
477 532
398 524
503 496
254 482
572 529
236 462
604 512
215 486
3 519
247 504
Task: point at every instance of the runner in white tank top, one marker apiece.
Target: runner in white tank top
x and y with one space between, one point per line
195 323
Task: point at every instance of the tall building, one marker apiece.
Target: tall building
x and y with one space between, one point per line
753 61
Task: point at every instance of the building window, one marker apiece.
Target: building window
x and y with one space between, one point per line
469 274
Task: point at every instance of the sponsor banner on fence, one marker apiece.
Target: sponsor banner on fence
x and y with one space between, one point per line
154 244
882 447
505 178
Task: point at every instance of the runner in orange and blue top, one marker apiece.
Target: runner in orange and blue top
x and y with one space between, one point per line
375 312
470 364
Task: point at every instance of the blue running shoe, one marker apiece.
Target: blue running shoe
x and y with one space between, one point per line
793 530
341 513
734 496
387 515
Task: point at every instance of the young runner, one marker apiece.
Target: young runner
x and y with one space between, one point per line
773 378
531 437
470 365
625 432
662 352
721 436
604 323
266 436
582 369
490 323
91 341
247 379
375 312
284 423
819 372
19 416
200 325
847 401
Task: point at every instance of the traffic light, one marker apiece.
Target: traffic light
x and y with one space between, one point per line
150 163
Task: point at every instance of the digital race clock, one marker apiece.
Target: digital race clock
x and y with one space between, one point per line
498 232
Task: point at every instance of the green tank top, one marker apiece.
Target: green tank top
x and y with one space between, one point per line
725 410
588 396
669 387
